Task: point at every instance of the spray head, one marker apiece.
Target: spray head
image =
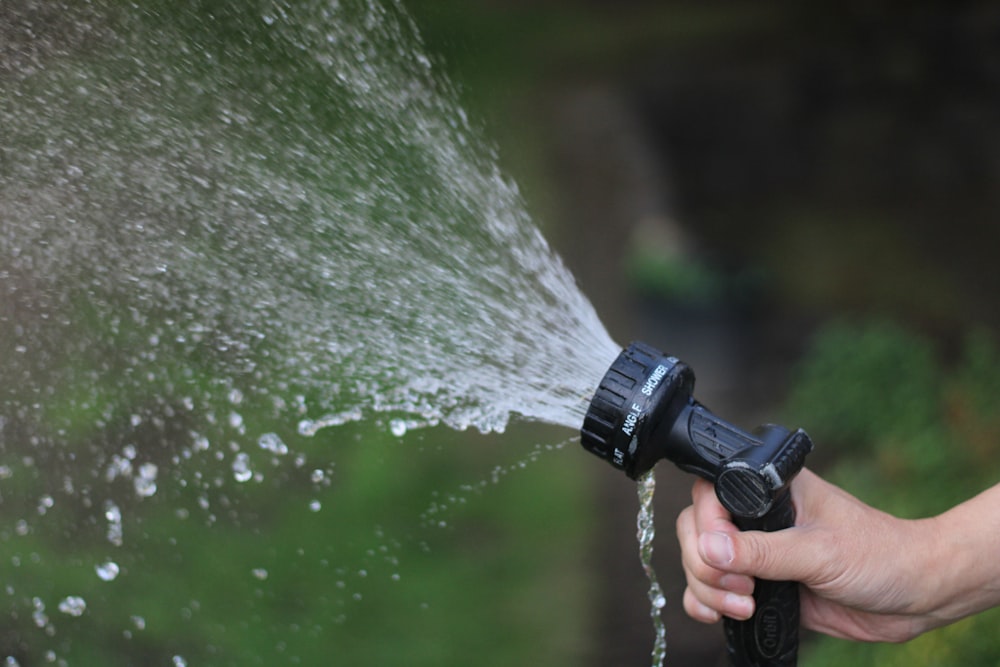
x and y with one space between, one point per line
644 411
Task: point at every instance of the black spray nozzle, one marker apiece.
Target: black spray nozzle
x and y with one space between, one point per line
643 411
632 401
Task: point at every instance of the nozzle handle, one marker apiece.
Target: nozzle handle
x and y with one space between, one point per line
771 635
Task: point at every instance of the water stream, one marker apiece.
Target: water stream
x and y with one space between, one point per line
645 532
225 226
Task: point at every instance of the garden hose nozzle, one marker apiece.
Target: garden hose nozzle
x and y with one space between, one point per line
644 411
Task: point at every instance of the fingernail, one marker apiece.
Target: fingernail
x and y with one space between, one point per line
739 607
716 548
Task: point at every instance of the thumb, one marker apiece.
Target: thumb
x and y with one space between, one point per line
779 556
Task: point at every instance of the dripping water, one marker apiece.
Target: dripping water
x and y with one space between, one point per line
645 531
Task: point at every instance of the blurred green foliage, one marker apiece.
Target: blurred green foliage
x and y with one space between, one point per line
910 433
420 550
673 279
861 383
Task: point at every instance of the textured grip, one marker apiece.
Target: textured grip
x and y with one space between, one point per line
771 635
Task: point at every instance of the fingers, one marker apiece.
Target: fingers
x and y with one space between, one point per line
807 552
841 550
720 561
707 604
710 515
698 610
711 591
709 570
780 556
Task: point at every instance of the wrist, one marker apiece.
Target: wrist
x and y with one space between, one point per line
960 568
932 572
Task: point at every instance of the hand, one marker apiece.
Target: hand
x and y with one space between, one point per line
864 573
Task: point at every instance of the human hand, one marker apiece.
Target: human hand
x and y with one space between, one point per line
865 575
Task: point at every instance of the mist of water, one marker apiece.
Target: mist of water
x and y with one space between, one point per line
212 211
303 206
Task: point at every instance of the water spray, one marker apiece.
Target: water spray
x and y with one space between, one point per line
644 411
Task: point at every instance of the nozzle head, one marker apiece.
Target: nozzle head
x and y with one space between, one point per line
640 388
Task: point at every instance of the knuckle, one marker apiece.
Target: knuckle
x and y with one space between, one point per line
760 554
753 556
685 522
697 609
699 573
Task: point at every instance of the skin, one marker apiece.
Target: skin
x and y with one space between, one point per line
865 575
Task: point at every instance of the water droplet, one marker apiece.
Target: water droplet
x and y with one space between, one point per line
139 622
315 506
119 467
236 421
260 573
235 396
272 443
398 427
114 516
145 483
200 443
179 661
241 467
310 427
73 605
45 503
317 476
11 661
38 613
107 571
